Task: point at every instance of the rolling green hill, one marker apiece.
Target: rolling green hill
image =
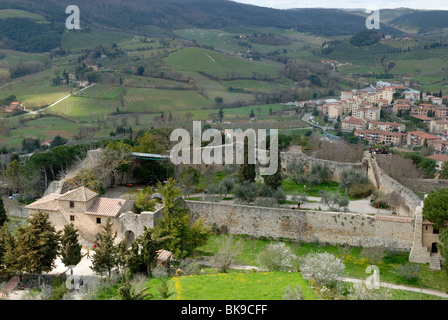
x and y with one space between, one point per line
422 21
218 64
14 13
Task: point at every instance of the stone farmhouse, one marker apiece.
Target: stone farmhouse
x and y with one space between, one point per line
82 207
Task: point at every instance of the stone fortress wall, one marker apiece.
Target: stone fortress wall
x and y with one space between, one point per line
308 225
398 232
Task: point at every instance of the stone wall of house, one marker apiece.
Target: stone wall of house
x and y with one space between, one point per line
14 208
336 168
330 227
86 224
135 223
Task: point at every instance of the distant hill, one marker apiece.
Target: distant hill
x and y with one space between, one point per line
137 15
422 21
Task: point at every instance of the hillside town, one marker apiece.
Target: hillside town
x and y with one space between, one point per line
362 111
217 150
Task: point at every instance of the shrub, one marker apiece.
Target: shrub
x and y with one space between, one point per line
159 272
190 177
359 291
245 191
290 294
360 190
266 202
163 289
410 272
228 251
59 289
334 201
276 257
143 201
299 197
295 171
226 185
373 255
265 191
349 178
279 195
324 268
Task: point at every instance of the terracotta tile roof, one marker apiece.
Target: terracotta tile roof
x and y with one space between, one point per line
81 194
106 207
423 135
439 157
393 124
440 141
393 218
47 203
164 255
379 132
354 120
423 117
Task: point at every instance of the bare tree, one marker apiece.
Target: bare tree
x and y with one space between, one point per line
228 251
373 255
188 116
401 169
339 151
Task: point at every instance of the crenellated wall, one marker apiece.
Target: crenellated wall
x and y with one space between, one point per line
306 225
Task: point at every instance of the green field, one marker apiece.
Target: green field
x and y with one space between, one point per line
217 64
155 100
355 264
426 66
36 92
77 40
255 86
99 91
240 286
14 13
84 108
233 113
45 128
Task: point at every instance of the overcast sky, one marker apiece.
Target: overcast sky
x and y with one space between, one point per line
350 4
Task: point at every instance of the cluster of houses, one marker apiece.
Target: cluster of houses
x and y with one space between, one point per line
14 107
360 111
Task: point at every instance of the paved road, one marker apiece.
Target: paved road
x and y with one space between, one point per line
53 104
306 119
399 287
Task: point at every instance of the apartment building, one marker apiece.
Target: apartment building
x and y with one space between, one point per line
381 137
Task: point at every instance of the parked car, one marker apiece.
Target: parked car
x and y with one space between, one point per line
14 196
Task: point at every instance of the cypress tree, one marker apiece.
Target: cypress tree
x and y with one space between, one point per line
275 180
37 245
71 248
246 170
3 216
105 258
